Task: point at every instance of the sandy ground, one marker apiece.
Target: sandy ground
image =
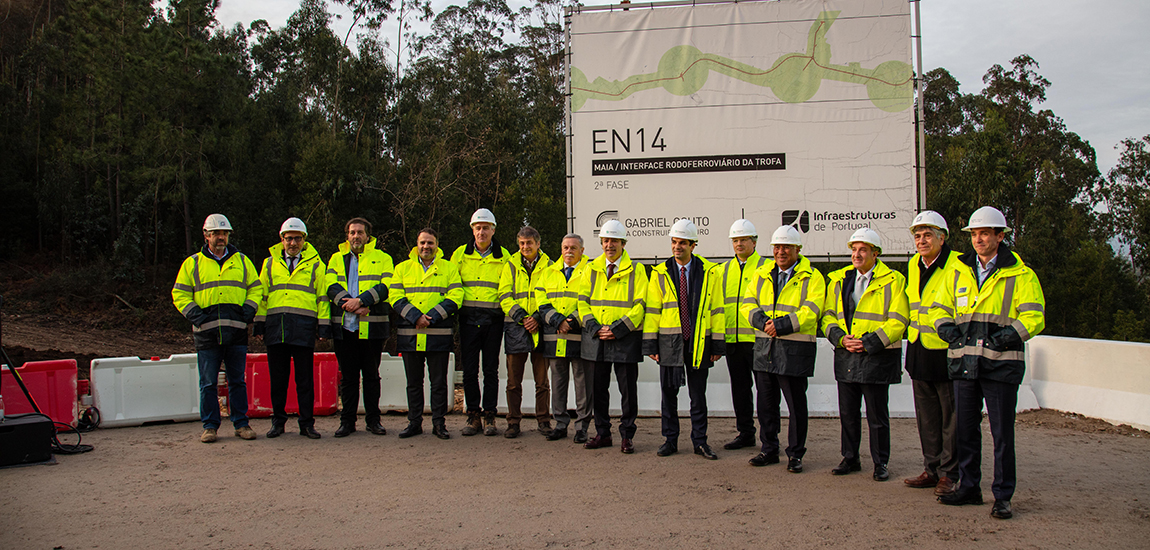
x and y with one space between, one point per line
1082 483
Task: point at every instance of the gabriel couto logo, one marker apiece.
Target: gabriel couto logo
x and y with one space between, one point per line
800 221
604 217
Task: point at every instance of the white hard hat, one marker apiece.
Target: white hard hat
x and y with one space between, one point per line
483 215
613 229
293 224
866 235
929 218
787 234
217 222
987 216
743 228
684 229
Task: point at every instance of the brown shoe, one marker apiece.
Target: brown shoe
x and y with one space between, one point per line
945 486
512 431
923 481
209 435
489 424
246 432
545 428
474 424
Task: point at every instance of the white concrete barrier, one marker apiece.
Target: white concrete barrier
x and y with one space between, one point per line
130 391
1099 378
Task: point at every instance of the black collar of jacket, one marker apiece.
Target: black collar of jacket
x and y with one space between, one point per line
497 250
924 273
1004 259
231 249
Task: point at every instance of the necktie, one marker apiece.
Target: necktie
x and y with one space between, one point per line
291 263
567 272
610 270
860 287
684 304
782 280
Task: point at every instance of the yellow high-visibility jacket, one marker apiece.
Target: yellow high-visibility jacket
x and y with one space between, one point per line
295 309
662 325
517 298
920 302
986 328
615 302
375 270
736 278
219 297
795 310
435 292
879 320
480 276
558 301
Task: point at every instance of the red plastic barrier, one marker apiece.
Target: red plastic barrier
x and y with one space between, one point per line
51 383
325 378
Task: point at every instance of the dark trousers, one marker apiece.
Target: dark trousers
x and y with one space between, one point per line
280 360
436 361
794 390
669 378
627 377
358 357
740 357
472 340
934 412
1001 400
851 396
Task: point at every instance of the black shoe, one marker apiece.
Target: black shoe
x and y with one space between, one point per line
960 497
440 432
762 459
847 466
705 451
667 449
344 430
1001 509
309 432
412 429
377 429
740 442
557 434
276 431
795 465
581 436
881 473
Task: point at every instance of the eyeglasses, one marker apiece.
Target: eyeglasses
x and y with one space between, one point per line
293 239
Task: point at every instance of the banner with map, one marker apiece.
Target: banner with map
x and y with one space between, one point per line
791 112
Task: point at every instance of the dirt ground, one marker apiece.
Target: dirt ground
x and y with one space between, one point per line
1082 482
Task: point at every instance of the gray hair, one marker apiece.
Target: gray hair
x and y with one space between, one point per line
938 233
574 236
529 232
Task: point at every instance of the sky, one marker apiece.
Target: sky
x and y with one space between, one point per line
1092 52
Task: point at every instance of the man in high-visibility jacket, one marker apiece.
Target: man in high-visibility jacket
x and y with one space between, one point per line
521 333
926 356
739 334
558 298
986 310
864 318
218 290
426 292
480 265
295 311
358 275
611 311
683 333
782 303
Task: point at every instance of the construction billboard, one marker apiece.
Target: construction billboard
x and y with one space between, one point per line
785 112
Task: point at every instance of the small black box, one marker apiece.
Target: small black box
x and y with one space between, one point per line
25 438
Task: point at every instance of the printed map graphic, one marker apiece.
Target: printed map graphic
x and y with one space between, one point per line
793 78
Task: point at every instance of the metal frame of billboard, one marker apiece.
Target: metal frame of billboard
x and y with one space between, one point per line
916 38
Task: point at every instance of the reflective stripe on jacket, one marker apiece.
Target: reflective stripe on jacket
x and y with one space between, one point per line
295 308
517 299
920 325
987 327
219 297
879 320
795 311
435 292
375 270
480 276
558 301
616 303
663 327
736 278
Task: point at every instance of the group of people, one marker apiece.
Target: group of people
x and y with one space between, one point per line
965 317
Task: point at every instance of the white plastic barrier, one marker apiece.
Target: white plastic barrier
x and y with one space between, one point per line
130 391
